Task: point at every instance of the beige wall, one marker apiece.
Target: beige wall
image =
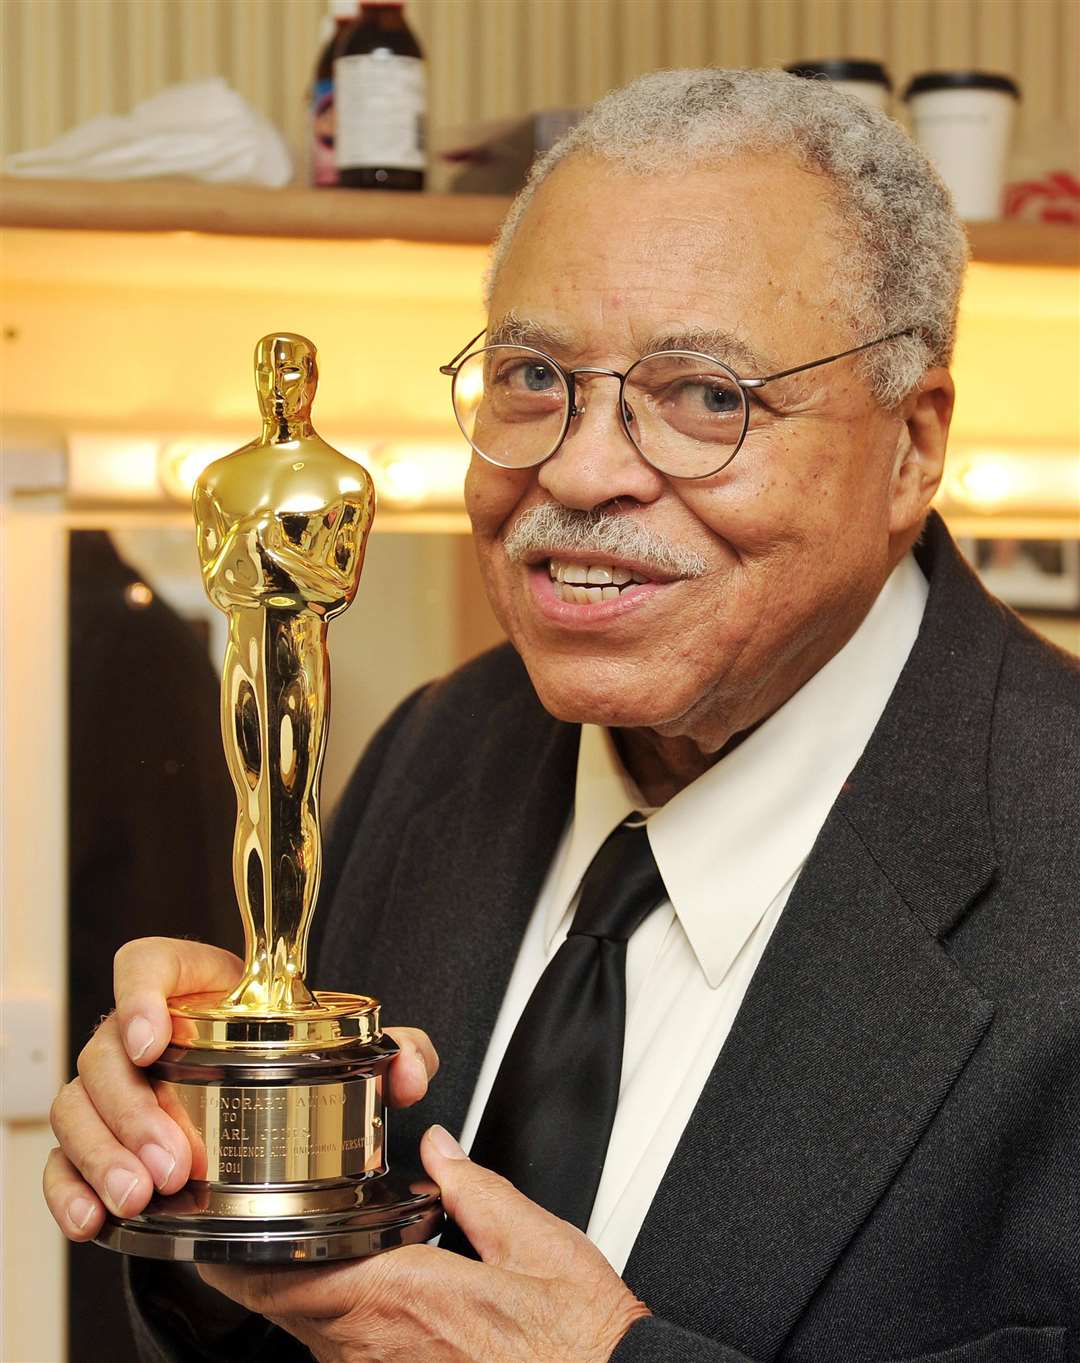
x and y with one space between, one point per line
68 59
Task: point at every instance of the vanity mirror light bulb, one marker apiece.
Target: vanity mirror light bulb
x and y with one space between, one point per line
1015 480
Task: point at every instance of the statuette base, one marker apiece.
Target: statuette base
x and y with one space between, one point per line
286 1119
378 1214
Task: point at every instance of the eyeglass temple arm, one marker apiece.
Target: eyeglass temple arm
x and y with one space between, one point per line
451 366
799 368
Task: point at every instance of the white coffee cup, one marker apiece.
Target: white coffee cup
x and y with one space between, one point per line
866 80
963 121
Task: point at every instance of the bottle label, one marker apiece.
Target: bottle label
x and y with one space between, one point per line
323 166
380 99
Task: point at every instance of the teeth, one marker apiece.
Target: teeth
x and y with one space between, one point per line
594 575
587 596
588 585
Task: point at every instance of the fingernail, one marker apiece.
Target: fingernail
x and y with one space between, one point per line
139 1037
159 1162
80 1212
120 1184
444 1143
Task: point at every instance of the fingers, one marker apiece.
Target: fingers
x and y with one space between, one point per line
151 970
115 1140
95 1161
277 1293
75 1206
378 1286
506 1228
413 1068
123 1100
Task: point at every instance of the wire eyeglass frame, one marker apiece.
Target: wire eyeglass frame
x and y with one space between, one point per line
569 377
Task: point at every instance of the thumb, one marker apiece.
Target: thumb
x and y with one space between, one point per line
505 1228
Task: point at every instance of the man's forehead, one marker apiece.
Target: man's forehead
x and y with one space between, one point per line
560 338
731 253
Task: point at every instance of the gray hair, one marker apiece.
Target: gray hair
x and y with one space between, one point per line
553 528
910 248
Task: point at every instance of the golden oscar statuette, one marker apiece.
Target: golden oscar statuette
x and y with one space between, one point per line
280 1089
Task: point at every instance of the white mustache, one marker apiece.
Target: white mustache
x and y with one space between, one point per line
555 529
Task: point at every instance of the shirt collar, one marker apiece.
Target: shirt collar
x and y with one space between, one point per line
604 794
728 843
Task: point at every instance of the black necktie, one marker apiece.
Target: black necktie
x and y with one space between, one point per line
548 1118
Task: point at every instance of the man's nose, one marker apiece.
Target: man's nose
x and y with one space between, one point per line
598 462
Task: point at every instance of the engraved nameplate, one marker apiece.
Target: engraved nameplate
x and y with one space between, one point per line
294 1133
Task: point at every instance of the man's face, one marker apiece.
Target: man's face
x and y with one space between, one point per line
794 534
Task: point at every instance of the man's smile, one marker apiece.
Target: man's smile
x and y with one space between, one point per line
591 588
587 584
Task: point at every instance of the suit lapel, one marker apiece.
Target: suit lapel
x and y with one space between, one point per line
469 871
855 1027
857 1022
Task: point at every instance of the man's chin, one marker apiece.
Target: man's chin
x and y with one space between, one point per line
613 707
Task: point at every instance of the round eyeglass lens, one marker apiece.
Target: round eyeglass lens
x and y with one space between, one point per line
686 412
512 404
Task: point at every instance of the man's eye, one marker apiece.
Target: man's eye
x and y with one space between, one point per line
537 378
715 397
523 377
720 398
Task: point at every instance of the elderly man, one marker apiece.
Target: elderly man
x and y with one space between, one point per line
740 900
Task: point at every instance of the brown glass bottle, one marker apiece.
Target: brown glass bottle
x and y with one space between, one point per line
324 172
380 101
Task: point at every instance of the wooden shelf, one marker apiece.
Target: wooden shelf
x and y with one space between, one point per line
352 215
239 210
1024 243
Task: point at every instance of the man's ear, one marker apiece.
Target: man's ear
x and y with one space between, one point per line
925 415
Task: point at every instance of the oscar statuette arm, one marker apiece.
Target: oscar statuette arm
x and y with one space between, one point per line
321 554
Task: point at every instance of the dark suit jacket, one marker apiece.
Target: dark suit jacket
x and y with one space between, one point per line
884 1161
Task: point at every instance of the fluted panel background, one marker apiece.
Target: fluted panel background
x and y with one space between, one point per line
65 60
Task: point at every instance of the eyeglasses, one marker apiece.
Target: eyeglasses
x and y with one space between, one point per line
686 413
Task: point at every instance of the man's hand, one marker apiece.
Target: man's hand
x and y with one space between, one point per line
116 1144
543 1293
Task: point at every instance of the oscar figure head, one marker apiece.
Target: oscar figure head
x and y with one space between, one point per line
286 376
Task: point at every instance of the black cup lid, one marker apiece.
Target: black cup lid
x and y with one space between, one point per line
843 68
926 81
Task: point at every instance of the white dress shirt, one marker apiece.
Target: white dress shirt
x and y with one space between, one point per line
730 847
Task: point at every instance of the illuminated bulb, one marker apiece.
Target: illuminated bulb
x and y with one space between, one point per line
987 482
405 481
181 463
138 595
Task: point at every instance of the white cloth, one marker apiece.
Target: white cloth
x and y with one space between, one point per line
201 129
730 847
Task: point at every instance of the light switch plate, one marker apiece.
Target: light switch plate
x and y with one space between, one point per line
29 1056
